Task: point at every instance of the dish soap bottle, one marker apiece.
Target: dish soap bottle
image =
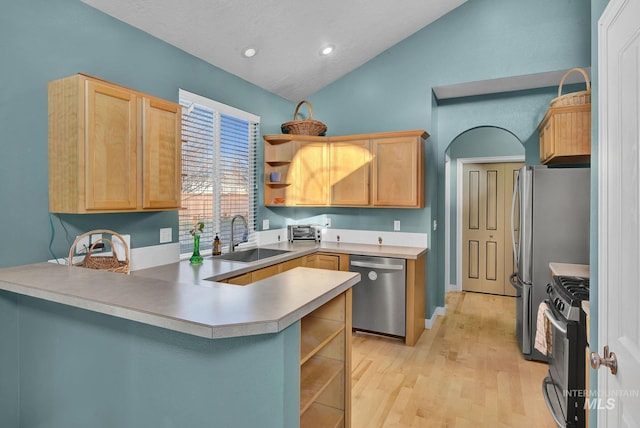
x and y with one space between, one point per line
216 246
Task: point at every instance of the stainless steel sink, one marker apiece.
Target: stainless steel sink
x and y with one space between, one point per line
252 255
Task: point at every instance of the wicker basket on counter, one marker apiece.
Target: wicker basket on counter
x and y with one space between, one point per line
573 98
306 126
108 262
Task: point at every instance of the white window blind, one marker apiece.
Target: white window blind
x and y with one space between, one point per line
218 172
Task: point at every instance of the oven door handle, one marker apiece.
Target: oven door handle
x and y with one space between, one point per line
545 393
557 324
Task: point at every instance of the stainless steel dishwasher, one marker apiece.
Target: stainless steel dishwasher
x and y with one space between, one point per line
379 298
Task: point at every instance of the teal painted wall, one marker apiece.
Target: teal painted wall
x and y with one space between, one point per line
9 361
476 143
391 92
482 39
83 369
44 40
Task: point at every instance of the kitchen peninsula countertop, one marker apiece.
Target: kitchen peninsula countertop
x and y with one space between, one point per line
187 298
201 308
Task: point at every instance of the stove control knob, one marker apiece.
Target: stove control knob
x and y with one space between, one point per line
548 288
561 306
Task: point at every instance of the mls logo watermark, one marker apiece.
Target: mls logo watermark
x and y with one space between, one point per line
601 400
600 403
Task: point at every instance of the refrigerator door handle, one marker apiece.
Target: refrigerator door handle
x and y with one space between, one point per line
516 188
513 280
526 319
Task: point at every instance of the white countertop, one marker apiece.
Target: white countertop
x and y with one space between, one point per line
569 269
215 269
208 309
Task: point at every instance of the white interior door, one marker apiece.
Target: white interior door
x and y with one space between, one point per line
619 212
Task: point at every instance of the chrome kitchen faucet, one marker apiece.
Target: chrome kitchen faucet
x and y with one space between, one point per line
233 245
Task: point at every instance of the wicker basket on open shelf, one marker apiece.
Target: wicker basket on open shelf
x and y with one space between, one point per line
573 98
306 126
108 262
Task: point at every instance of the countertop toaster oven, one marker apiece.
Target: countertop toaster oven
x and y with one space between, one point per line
303 232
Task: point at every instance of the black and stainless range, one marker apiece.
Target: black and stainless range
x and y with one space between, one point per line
564 386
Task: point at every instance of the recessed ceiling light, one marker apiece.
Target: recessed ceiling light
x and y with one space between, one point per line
249 52
326 50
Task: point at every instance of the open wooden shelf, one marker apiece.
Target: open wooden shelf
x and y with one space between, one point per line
321 416
315 375
278 162
278 138
316 333
325 361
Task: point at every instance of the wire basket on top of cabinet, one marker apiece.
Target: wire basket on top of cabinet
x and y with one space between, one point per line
306 126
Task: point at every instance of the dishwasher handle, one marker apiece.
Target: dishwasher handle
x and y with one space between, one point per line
376 265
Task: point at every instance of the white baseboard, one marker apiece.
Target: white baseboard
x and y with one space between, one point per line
429 323
453 287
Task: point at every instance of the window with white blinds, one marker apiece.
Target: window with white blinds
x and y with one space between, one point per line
218 172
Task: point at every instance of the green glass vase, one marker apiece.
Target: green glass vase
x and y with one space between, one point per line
196 258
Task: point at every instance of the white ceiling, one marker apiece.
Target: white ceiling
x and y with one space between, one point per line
288 34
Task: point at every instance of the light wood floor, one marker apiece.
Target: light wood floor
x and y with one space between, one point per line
465 372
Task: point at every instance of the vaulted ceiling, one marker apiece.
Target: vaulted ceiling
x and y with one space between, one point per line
287 35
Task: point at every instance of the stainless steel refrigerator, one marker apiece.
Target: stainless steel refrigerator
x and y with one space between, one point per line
549 223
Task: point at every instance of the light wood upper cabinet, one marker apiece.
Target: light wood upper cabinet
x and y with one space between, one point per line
111 149
349 172
565 135
398 179
366 170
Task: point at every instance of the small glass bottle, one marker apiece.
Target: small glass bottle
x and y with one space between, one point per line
216 246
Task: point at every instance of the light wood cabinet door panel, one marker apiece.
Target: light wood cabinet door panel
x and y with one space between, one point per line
349 172
161 154
397 172
311 173
111 177
263 273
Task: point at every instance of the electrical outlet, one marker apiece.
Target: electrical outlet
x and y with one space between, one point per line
435 225
327 223
396 225
166 235
265 224
83 245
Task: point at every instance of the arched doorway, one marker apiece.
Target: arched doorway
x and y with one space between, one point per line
488 156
